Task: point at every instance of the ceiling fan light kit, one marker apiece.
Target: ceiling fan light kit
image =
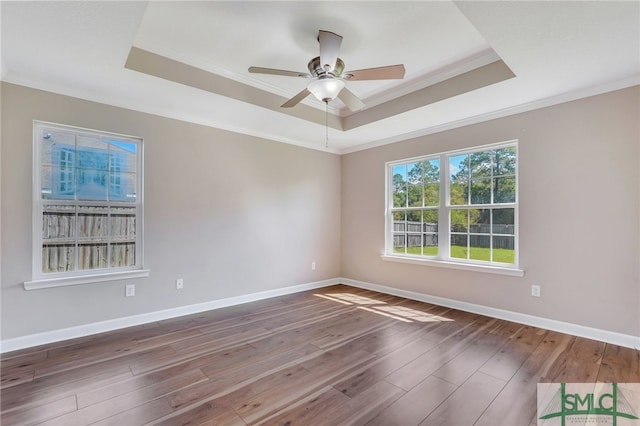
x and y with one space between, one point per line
327 70
326 88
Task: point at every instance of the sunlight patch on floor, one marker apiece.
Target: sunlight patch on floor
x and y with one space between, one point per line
400 313
384 313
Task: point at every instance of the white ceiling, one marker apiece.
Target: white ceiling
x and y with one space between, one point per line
558 51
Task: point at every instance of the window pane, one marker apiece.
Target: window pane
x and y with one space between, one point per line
400 186
122 156
122 187
432 194
504 190
414 232
481 191
399 232
459 187
459 193
430 229
479 247
480 221
459 167
91 184
92 256
400 217
92 221
58 222
123 254
480 164
57 183
52 144
431 172
430 219
459 221
86 147
58 257
504 249
415 195
504 221
92 161
414 173
459 246
123 221
505 161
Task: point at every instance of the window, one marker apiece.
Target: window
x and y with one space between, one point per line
455 207
87 205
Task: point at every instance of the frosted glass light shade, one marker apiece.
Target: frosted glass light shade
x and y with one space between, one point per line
326 89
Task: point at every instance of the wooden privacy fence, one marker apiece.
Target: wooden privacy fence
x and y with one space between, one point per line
87 237
417 234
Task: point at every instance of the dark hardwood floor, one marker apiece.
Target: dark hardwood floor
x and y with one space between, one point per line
339 355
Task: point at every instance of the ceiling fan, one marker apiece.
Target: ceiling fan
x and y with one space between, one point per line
327 72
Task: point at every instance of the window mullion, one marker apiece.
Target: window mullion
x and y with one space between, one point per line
444 219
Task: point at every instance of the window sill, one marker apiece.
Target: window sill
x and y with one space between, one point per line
84 279
491 269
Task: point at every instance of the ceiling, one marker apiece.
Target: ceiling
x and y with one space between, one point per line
465 61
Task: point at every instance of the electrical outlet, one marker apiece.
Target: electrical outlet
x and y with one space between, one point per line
313 266
535 290
179 284
130 290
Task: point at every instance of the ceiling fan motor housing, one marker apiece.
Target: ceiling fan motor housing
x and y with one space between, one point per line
316 69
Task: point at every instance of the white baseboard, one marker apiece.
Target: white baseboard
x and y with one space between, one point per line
31 340
619 339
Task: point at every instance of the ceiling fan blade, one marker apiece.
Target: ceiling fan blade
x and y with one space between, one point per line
329 48
273 71
381 73
350 100
296 99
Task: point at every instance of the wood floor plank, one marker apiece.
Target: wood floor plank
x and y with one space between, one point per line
516 403
230 418
39 413
16 376
467 403
220 358
620 365
139 415
413 407
510 358
379 369
330 356
323 369
205 412
131 384
114 406
307 410
580 363
47 389
469 360
419 369
363 407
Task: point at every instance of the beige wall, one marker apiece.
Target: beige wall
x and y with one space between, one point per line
231 214
234 215
579 214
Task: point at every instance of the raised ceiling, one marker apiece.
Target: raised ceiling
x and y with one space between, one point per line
465 61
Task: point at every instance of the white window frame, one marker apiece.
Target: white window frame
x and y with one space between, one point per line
42 279
443 259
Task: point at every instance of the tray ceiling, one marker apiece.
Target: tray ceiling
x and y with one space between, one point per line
465 61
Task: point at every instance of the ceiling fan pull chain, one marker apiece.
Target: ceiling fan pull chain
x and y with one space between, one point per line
326 125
